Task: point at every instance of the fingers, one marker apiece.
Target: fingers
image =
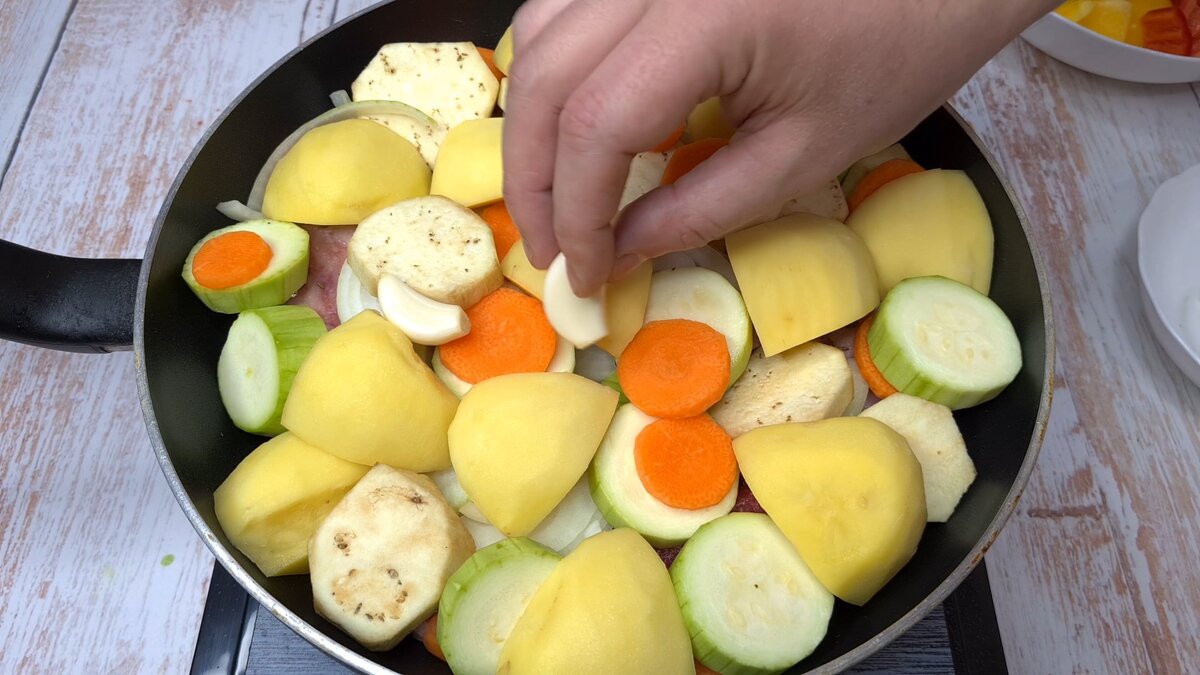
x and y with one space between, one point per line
631 101
546 70
533 16
742 184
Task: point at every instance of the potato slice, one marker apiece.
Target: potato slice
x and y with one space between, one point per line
803 384
708 120
625 303
275 499
365 395
517 269
502 98
469 166
932 223
846 491
503 57
933 435
608 607
339 173
520 442
438 248
802 276
381 558
449 81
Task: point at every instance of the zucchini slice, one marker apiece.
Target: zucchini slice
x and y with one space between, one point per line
483 600
624 501
945 342
750 603
262 353
284 275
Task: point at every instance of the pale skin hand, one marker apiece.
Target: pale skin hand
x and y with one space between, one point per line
810 85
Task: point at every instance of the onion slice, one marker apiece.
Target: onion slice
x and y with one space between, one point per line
339 98
341 113
235 210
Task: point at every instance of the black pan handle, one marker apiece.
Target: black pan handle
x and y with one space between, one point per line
69 304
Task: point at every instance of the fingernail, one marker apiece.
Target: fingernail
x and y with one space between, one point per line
533 258
576 284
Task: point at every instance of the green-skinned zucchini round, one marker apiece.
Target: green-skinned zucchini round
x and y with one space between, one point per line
284 275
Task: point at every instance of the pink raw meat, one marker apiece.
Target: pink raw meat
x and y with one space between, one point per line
668 554
326 255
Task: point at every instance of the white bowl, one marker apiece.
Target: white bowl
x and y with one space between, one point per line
1169 267
1088 50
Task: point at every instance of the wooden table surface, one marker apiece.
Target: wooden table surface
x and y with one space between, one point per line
102 100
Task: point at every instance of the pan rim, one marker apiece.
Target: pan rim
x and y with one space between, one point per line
354 660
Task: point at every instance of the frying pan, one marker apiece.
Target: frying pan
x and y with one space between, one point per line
105 305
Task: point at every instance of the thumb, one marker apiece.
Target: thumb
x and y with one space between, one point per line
742 184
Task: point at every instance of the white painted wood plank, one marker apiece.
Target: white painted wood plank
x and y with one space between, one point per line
85 515
1108 570
1092 572
29 32
317 16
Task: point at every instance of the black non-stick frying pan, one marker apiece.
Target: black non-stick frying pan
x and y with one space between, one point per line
89 305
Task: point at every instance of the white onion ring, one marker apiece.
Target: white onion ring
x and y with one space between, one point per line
339 98
235 210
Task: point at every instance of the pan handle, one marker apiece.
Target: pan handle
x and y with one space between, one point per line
68 304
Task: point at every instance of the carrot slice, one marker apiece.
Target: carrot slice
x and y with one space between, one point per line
427 632
686 463
689 156
489 57
862 356
880 176
509 334
702 669
504 230
232 259
675 368
670 141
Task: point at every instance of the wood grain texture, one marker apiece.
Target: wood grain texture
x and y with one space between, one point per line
85 515
1096 572
29 33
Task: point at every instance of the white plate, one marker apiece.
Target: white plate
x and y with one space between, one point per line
1168 247
1088 50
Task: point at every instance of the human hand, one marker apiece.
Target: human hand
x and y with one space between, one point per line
810 87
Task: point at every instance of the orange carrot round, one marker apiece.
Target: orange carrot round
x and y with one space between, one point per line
686 463
688 157
232 259
702 669
862 356
880 176
489 57
504 230
670 141
675 368
509 334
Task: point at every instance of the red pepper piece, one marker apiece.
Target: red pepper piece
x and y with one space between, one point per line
1191 16
1165 31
